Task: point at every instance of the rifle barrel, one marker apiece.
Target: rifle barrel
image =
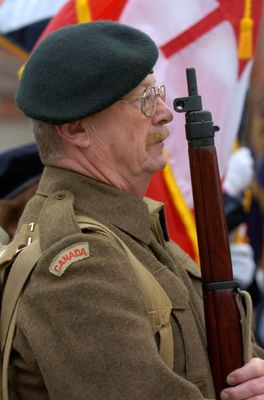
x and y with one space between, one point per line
222 318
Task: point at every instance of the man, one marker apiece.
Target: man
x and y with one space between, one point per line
83 331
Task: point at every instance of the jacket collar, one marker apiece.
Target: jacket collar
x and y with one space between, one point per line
103 202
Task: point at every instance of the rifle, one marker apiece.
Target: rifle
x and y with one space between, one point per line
222 318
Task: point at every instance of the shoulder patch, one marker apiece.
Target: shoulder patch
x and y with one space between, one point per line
69 256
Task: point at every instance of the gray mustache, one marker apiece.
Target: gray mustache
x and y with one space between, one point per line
157 136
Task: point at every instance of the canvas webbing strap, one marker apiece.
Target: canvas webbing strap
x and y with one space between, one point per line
19 273
156 300
27 234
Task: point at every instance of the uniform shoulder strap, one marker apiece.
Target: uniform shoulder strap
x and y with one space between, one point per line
18 276
156 300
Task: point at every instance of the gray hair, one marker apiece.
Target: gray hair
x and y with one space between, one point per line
50 144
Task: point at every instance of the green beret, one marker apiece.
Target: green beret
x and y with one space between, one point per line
81 69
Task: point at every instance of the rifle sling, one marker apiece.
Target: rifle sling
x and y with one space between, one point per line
221 285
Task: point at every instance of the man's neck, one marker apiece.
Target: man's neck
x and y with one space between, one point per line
136 186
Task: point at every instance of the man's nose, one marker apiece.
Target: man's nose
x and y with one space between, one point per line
163 114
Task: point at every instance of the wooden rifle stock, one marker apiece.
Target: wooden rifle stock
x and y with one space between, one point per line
223 326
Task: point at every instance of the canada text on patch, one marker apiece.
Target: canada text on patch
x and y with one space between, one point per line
69 256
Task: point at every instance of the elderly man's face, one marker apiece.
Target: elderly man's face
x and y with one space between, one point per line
126 140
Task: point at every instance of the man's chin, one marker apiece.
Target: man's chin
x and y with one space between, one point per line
159 164
163 164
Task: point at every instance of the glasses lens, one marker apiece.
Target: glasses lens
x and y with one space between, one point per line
162 92
149 101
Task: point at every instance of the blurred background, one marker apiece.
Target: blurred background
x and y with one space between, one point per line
14 128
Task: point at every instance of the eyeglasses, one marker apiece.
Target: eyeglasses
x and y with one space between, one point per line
149 99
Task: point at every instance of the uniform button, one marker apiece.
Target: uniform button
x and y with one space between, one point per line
60 196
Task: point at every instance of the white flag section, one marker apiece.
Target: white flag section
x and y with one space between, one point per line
213 55
16 14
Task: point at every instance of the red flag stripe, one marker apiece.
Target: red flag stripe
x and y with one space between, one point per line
100 9
194 32
104 10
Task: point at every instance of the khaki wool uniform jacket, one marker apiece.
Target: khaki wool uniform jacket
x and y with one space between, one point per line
86 334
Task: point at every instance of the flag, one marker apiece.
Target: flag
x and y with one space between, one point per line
22 22
78 11
218 39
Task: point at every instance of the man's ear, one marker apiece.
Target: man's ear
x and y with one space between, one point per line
74 133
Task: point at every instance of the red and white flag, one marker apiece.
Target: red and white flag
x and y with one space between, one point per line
22 21
16 14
